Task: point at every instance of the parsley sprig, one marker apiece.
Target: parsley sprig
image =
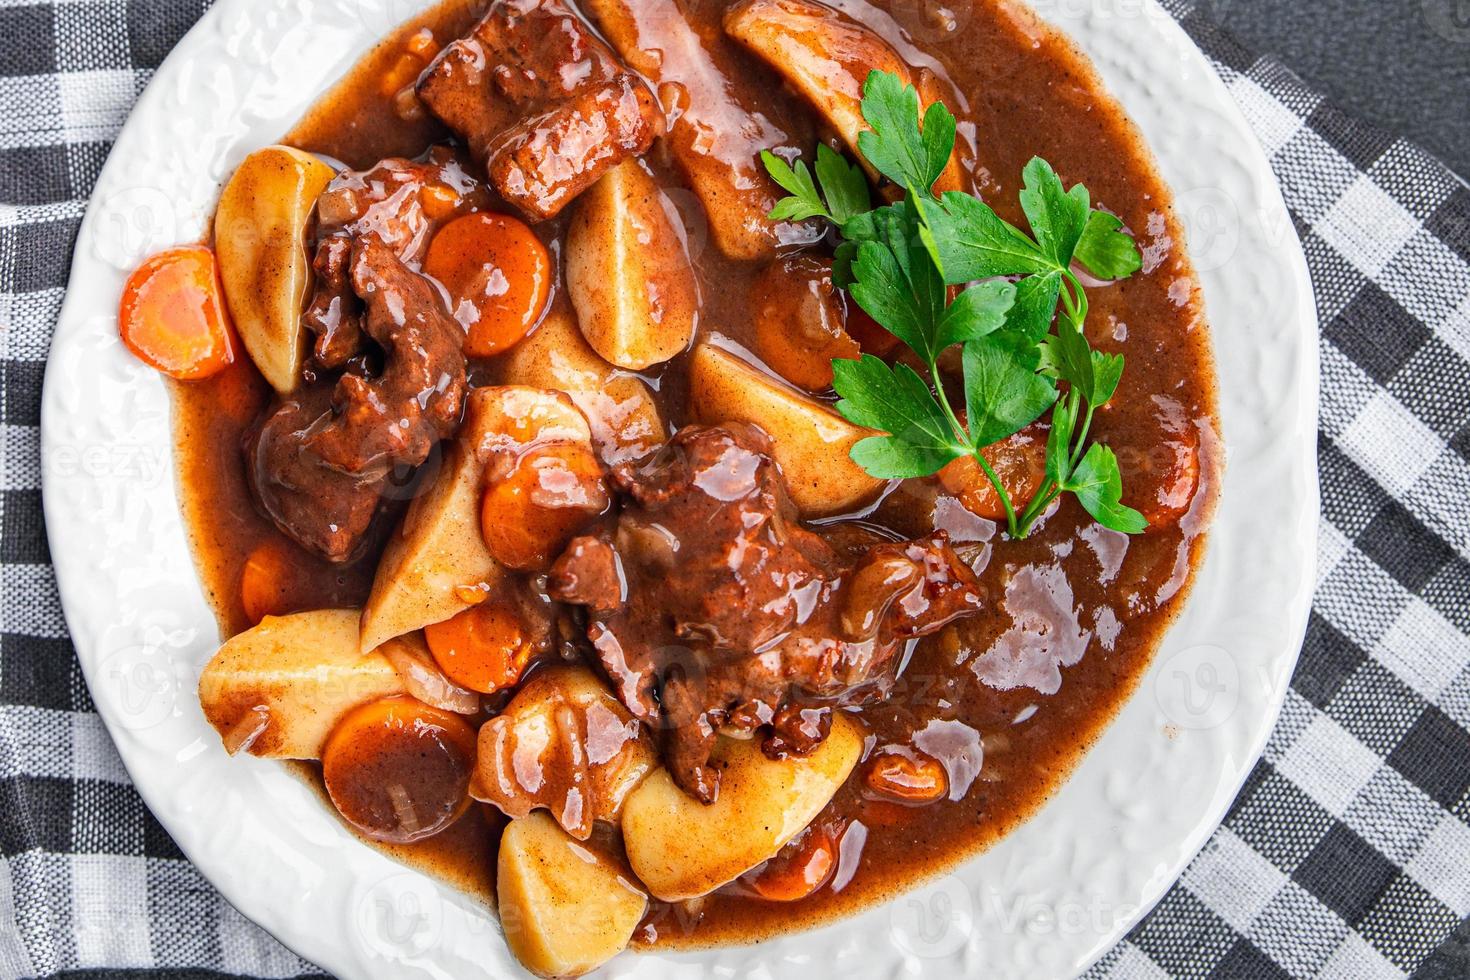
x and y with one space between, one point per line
1020 357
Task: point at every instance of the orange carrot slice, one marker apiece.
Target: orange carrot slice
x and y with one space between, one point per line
498 275
399 770
173 317
266 580
528 516
485 648
798 869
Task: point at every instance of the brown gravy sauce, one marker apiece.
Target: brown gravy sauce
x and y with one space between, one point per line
1012 699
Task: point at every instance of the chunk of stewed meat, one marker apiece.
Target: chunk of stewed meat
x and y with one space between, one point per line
714 610
541 102
319 476
400 203
397 417
326 511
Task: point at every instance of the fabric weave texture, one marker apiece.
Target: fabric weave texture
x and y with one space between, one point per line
1347 854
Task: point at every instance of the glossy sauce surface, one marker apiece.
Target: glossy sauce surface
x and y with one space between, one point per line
1007 700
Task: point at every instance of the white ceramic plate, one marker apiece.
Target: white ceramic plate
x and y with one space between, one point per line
1047 901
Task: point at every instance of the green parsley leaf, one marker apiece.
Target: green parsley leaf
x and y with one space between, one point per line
899 148
896 283
883 290
1057 216
1069 356
982 309
899 402
1059 441
1036 306
843 258
1107 371
970 241
805 202
1098 485
1003 394
844 185
1106 250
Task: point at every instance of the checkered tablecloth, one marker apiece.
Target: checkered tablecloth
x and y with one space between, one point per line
1346 855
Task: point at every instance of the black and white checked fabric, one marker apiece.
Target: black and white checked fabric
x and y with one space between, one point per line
1348 852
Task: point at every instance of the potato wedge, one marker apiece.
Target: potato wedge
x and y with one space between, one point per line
826 57
288 681
565 908
260 238
717 129
624 417
811 442
681 849
565 744
628 273
437 564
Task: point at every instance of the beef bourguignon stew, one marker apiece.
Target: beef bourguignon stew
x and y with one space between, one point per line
683 469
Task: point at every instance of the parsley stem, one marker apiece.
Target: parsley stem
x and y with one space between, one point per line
954 421
963 436
1081 437
1005 498
1075 299
1037 507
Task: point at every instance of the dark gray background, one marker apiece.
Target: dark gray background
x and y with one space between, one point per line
1404 66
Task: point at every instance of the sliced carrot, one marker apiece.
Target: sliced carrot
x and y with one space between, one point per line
1020 464
552 491
871 337
173 317
401 74
399 770
798 869
485 648
440 201
266 580
1162 480
498 275
799 322
905 776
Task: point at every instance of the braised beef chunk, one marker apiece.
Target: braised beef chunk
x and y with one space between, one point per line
397 417
399 203
319 476
318 462
713 609
541 102
543 162
333 315
326 511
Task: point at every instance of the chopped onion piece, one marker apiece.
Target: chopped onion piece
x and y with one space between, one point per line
425 681
251 726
